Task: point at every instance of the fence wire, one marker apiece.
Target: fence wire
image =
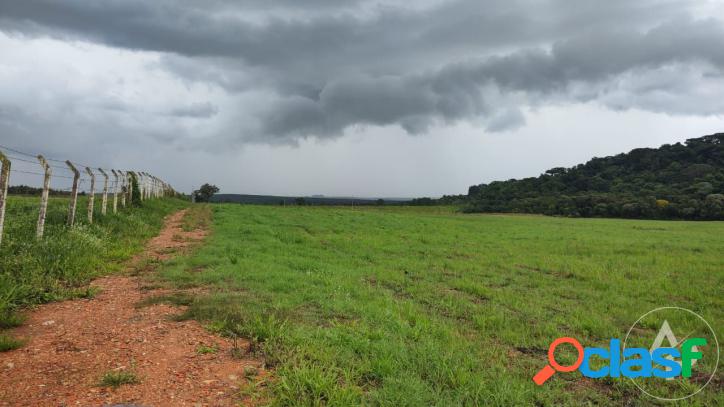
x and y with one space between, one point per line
25 173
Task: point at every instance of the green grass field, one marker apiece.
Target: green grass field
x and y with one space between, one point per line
425 306
61 265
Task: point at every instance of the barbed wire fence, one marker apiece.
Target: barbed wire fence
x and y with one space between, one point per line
71 178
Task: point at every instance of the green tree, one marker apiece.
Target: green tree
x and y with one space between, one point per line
205 193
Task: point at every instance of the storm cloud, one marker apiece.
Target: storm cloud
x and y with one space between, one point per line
224 74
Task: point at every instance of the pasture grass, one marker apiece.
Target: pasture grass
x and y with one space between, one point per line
425 306
61 265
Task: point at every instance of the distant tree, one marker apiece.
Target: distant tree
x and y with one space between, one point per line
422 202
662 203
714 206
380 202
205 193
557 171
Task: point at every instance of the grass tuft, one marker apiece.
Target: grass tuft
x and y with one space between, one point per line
117 379
206 350
10 320
8 343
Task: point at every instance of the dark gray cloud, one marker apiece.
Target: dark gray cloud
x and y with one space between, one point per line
297 69
195 110
458 91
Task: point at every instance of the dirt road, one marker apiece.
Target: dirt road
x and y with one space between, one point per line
72 344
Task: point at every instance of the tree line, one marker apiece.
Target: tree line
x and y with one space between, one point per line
674 181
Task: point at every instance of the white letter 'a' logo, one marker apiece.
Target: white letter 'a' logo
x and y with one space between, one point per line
666 333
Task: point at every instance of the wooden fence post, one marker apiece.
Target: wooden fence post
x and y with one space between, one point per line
104 201
4 181
91 195
73 193
40 228
115 191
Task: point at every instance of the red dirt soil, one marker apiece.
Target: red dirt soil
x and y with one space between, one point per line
72 344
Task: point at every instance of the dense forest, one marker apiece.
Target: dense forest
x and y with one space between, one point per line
679 181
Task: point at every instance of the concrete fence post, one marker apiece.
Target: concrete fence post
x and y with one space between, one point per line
91 195
145 186
104 201
4 181
73 193
124 187
139 182
129 187
115 191
40 228
151 186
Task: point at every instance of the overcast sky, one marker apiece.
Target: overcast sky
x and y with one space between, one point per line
355 97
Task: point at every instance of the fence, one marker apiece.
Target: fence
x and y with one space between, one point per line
70 178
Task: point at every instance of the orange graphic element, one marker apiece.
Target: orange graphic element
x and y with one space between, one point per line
553 366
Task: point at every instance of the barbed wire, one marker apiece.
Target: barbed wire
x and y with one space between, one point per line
42 174
16 151
64 167
36 162
81 174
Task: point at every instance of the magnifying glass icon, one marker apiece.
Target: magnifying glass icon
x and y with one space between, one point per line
553 366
